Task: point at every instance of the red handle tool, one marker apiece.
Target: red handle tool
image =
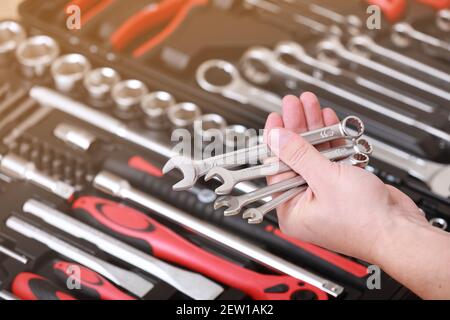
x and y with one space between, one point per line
172 11
90 8
149 235
436 4
30 286
92 284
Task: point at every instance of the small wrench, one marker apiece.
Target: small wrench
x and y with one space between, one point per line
236 203
237 88
194 169
256 215
232 178
268 59
403 33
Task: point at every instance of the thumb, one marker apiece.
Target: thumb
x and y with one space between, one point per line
302 157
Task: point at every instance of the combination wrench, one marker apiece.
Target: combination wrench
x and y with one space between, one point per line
443 20
236 88
235 204
273 65
333 46
231 178
194 169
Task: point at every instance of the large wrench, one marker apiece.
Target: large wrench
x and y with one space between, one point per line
231 178
194 169
236 203
297 52
334 46
237 88
273 65
362 43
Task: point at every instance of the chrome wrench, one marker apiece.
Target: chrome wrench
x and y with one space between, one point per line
194 169
118 187
271 61
235 204
231 178
403 33
191 284
237 88
124 278
443 20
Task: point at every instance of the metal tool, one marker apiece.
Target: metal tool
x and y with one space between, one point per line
69 70
18 111
11 35
231 178
183 115
124 278
18 257
435 175
333 46
74 136
155 106
236 88
118 187
268 59
443 20
127 96
12 99
191 284
295 51
237 137
21 169
194 169
403 34
363 43
99 83
439 223
36 54
209 129
256 215
235 204
6 295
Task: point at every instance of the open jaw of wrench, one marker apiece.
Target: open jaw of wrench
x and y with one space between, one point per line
231 178
236 203
350 128
273 65
236 88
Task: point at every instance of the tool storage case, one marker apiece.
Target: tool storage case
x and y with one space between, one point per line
171 66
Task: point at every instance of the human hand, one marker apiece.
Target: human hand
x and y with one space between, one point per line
345 209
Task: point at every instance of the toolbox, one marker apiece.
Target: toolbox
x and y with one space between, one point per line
162 53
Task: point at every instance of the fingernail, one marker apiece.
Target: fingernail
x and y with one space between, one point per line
279 138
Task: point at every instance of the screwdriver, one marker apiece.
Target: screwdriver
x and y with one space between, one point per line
92 284
30 286
148 235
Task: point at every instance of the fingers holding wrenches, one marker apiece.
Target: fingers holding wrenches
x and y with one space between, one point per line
231 178
350 128
256 215
236 203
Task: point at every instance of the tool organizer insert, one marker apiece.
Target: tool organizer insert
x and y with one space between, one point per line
396 81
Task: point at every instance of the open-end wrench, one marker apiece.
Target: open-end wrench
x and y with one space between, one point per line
124 278
236 203
268 59
435 175
294 50
403 34
363 43
190 283
443 20
256 215
118 187
333 46
194 169
237 88
231 178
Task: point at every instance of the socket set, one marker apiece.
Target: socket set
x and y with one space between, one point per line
86 117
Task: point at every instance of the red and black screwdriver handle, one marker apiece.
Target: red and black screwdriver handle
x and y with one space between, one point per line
30 286
92 284
141 173
148 235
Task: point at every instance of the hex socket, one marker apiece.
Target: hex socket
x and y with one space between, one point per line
155 106
11 35
69 70
99 83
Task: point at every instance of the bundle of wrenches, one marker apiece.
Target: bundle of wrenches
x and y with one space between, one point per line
355 151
